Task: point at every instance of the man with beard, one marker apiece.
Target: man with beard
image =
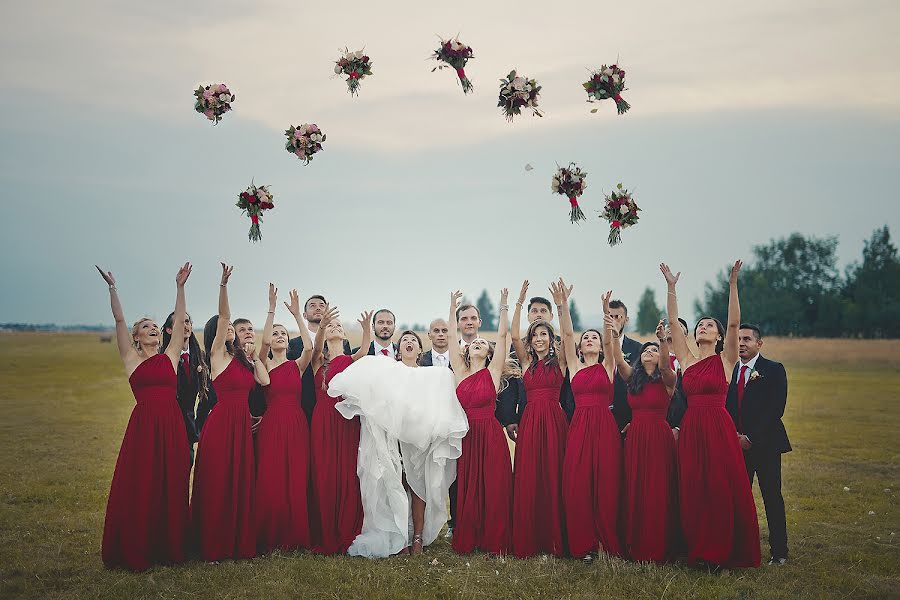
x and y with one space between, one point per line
383 325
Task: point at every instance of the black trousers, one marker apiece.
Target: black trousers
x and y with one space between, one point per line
452 493
766 465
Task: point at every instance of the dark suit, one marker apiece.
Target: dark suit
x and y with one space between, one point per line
308 382
620 407
188 388
371 351
427 360
759 418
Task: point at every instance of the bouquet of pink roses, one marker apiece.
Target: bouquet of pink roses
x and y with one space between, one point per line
213 101
355 65
608 82
517 93
304 141
621 211
455 54
569 182
254 201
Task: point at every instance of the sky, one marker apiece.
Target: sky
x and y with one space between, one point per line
749 121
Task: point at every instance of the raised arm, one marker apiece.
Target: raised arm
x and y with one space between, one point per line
732 329
123 336
515 332
679 342
501 350
318 356
611 332
665 365
267 328
456 356
560 296
176 341
217 350
260 372
306 355
365 321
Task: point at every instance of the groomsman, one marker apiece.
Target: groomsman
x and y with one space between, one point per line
439 355
678 405
383 323
312 313
630 349
190 380
756 401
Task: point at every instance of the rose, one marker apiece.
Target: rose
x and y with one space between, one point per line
209 114
615 224
223 97
623 209
252 199
338 69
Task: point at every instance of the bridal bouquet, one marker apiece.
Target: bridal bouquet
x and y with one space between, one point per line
608 82
454 54
518 92
621 211
355 65
304 141
254 201
569 182
213 101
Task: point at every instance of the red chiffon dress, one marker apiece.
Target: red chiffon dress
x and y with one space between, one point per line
335 502
222 503
718 515
483 472
592 468
147 512
651 478
282 465
538 521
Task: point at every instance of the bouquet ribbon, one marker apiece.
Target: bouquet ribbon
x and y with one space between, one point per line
461 73
255 219
573 201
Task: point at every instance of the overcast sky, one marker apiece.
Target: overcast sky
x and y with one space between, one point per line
749 121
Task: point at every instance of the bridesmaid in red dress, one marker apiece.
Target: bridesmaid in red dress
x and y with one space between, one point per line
592 468
222 503
651 477
282 440
335 504
147 511
538 522
484 471
718 514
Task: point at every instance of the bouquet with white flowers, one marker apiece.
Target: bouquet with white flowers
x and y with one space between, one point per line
355 65
304 141
454 54
254 201
213 101
569 182
517 93
608 82
621 211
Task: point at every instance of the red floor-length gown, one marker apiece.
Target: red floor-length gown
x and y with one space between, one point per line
222 503
538 521
147 512
336 505
483 472
592 468
718 515
651 478
282 465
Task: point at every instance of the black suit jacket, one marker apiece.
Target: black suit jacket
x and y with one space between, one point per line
762 406
621 408
188 388
308 396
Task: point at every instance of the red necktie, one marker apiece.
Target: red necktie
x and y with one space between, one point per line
186 363
384 351
740 392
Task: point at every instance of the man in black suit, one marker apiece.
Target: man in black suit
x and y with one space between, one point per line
383 324
439 355
678 404
313 310
190 379
630 350
756 401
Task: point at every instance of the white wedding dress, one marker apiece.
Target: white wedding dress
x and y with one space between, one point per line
417 408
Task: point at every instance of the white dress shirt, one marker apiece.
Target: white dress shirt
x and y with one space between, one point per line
389 348
440 360
751 364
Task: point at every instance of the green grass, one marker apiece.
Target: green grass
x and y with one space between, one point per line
65 402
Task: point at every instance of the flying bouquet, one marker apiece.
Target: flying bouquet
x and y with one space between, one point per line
455 54
254 201
608 82
355 65
621 212
518 92
213 101
304 141
569 182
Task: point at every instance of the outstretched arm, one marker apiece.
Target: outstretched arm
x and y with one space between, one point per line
679 342
456 357
732 329
365 321
515 332
567 331
665 365
328 316
501 350
123 336
176 341
267 329
294 308
217 350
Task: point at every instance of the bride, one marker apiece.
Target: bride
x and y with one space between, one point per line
412 426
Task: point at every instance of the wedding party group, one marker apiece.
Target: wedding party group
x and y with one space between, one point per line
645 452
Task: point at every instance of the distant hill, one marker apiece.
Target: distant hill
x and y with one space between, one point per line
52 327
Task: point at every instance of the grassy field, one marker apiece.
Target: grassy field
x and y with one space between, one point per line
65 403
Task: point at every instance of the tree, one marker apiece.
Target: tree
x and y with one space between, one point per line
648 312
576 317
872 290
486 309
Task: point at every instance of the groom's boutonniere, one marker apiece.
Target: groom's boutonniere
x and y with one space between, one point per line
754 376
627 356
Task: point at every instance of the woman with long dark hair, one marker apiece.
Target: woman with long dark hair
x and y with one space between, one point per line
650 515
718 514
147 511
538 521
222 502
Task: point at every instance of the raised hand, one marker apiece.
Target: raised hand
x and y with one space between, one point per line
557 293
504 297
732 280
331 314
523 293
107 277
273 297
661 333
183 274
667 273
249 349
611 326
294 306
455 297
365 318
605 298
226 273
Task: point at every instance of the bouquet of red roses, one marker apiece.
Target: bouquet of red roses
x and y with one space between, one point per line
569 182
213 101
455 54
355 65
621 211
254 201
608 82
517 93
304 141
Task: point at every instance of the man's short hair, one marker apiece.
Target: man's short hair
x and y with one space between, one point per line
383 310
240 321
467 307
620 304
540 300
757 333
313 297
